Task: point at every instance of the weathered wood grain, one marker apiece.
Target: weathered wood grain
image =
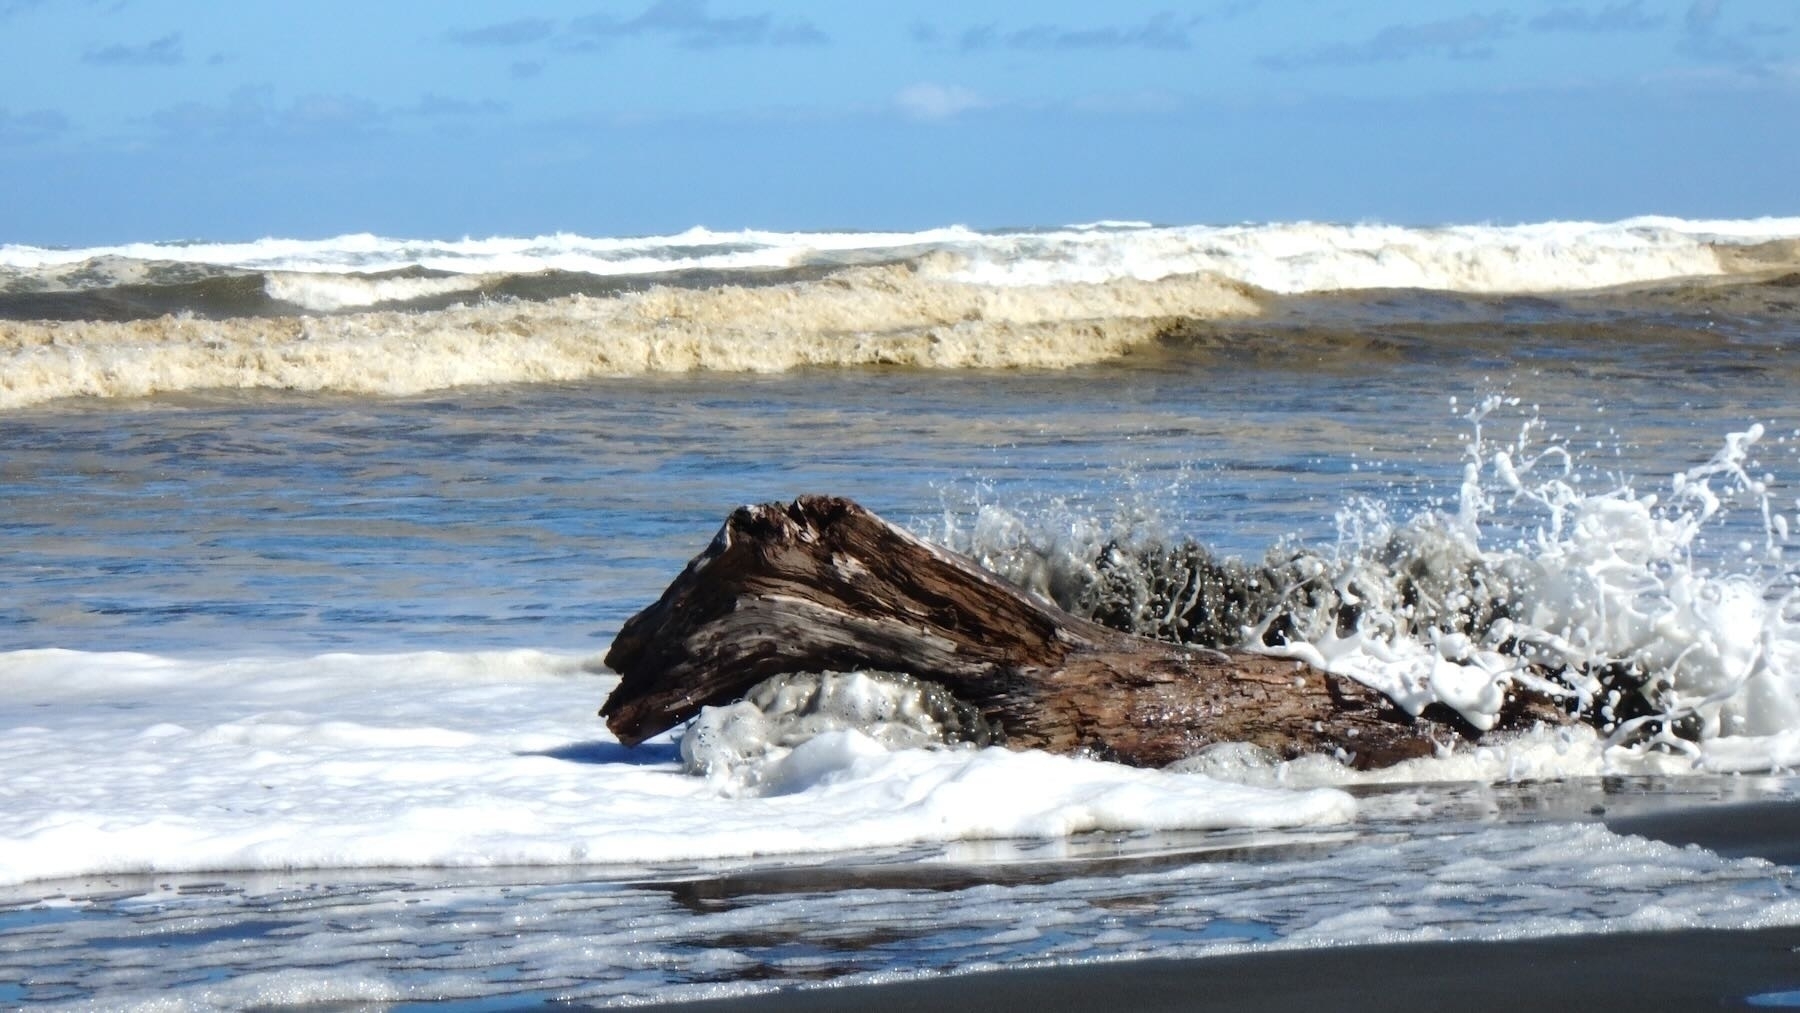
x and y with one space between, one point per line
822 584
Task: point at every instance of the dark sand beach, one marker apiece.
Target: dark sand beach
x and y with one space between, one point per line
1659 971
1753 968
1767 829
819 930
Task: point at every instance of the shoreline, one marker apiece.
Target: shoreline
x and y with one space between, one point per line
1626 972
902 914
1769 830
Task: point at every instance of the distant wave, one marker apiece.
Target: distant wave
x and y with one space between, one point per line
696 248
366 314
328 293
891 315
1281 257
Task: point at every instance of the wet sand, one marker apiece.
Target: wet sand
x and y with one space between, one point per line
466 934
1748 969
1595 974
1768 830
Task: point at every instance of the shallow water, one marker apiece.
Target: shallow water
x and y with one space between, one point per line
1423 863
542 516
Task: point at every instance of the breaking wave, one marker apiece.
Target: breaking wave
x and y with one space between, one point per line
890 315
1602 599
366 314
329 293
1281 257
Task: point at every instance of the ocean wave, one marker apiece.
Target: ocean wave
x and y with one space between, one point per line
364 314
1287 257
329 293
696 248
889 315
1311 257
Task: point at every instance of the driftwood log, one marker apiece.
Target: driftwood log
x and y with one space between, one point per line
822 584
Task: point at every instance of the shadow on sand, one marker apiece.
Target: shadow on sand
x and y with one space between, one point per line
605 751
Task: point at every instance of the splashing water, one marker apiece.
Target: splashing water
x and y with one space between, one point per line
1601 599
748 747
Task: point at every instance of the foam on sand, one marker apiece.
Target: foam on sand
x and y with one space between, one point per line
123 763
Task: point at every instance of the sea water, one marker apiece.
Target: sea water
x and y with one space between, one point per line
314 550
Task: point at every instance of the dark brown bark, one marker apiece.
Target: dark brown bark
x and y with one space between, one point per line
823 584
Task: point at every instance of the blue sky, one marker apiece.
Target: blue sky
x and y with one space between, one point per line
163 119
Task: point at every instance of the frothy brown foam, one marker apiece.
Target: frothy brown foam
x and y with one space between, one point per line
1773 256
886 315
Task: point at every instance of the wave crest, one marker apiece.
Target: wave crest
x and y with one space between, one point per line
886 315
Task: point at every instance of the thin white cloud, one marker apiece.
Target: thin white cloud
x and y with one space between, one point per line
30 127
161 52
1165 30
251 112
434 106
691 23
1468 37
1626 16
13 8
1705 39
1162 30
1703 16
518 32
930 101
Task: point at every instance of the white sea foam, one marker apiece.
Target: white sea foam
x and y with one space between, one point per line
1539 754
750 745
127 763
696 248
1314 257
328 293
1281 257
506 939
120 763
